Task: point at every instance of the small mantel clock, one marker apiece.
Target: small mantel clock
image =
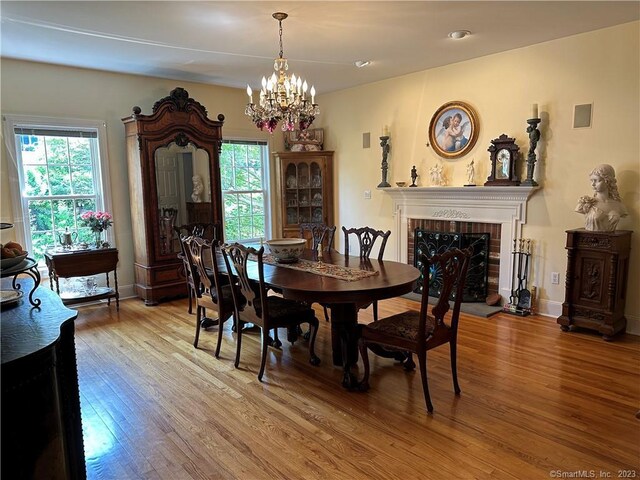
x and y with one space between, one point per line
504 156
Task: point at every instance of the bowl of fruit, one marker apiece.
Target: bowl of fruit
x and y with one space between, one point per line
11 254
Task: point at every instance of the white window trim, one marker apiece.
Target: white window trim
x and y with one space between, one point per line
266 181
11 122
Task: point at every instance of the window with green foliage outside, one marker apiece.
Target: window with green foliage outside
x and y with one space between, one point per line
59 173
243 170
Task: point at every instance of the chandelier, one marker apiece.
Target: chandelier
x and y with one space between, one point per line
282 97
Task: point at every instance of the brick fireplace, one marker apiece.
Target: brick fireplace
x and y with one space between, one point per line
501 211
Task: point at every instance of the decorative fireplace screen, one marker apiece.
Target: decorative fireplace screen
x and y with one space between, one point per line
430 243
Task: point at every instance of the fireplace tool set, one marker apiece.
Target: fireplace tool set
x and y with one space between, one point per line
521 299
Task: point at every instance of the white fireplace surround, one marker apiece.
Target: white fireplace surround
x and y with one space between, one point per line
504 205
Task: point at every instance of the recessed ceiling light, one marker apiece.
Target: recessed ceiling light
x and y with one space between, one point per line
362 63
458 34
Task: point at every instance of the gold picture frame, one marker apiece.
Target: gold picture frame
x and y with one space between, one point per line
453 129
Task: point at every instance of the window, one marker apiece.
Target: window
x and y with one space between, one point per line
244 174
60 175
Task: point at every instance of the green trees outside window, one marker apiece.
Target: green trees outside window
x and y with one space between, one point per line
58 185
244 190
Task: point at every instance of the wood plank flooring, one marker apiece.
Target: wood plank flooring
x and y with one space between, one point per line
535 403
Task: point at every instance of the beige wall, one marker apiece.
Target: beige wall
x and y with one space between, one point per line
47 90
601 67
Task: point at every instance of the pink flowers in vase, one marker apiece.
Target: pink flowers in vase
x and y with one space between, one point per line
96 221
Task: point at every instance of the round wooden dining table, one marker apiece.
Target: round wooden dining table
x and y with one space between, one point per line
343 297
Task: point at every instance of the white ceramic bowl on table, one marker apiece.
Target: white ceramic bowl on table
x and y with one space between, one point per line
286 250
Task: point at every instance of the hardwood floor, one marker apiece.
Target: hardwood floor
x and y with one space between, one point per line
536 403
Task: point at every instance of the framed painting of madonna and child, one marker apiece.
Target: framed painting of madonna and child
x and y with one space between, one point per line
453 130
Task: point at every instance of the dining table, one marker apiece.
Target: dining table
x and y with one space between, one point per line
344 284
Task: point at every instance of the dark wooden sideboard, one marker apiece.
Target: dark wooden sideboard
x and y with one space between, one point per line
596 283
41 423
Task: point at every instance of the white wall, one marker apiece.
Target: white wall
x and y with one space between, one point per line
600 67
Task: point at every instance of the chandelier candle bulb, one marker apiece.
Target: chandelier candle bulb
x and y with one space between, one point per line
249 92
534 110
313 94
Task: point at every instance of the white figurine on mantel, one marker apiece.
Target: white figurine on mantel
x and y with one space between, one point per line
470 174
603 210
437 175
198 189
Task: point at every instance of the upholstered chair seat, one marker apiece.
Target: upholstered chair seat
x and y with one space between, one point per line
403 325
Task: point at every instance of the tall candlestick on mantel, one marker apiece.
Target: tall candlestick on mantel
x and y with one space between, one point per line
384 143
534 110
534 138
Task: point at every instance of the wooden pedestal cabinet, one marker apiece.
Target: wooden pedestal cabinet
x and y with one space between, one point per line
305 186
596 283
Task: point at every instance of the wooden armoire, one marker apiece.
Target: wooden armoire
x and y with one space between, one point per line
177 121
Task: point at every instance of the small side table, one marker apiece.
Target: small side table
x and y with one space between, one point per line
81 263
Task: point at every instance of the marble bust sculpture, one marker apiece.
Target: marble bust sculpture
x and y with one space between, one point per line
603 210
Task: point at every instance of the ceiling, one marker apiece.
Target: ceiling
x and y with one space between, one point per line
234 43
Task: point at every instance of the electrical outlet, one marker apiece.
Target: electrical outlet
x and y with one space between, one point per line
367 194
555 278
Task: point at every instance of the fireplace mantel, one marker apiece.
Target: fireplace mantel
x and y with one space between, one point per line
504 205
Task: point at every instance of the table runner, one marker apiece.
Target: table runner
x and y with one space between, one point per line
320 268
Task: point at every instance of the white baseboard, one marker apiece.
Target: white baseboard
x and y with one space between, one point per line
127 291
549 308
633 324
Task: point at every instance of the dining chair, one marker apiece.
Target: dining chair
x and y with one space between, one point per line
321 234
215 294
210 231
269 312
419 332
367 238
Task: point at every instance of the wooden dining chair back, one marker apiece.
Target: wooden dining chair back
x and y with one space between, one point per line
215 294
209 231
367 238
266 311
419 332
321 234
